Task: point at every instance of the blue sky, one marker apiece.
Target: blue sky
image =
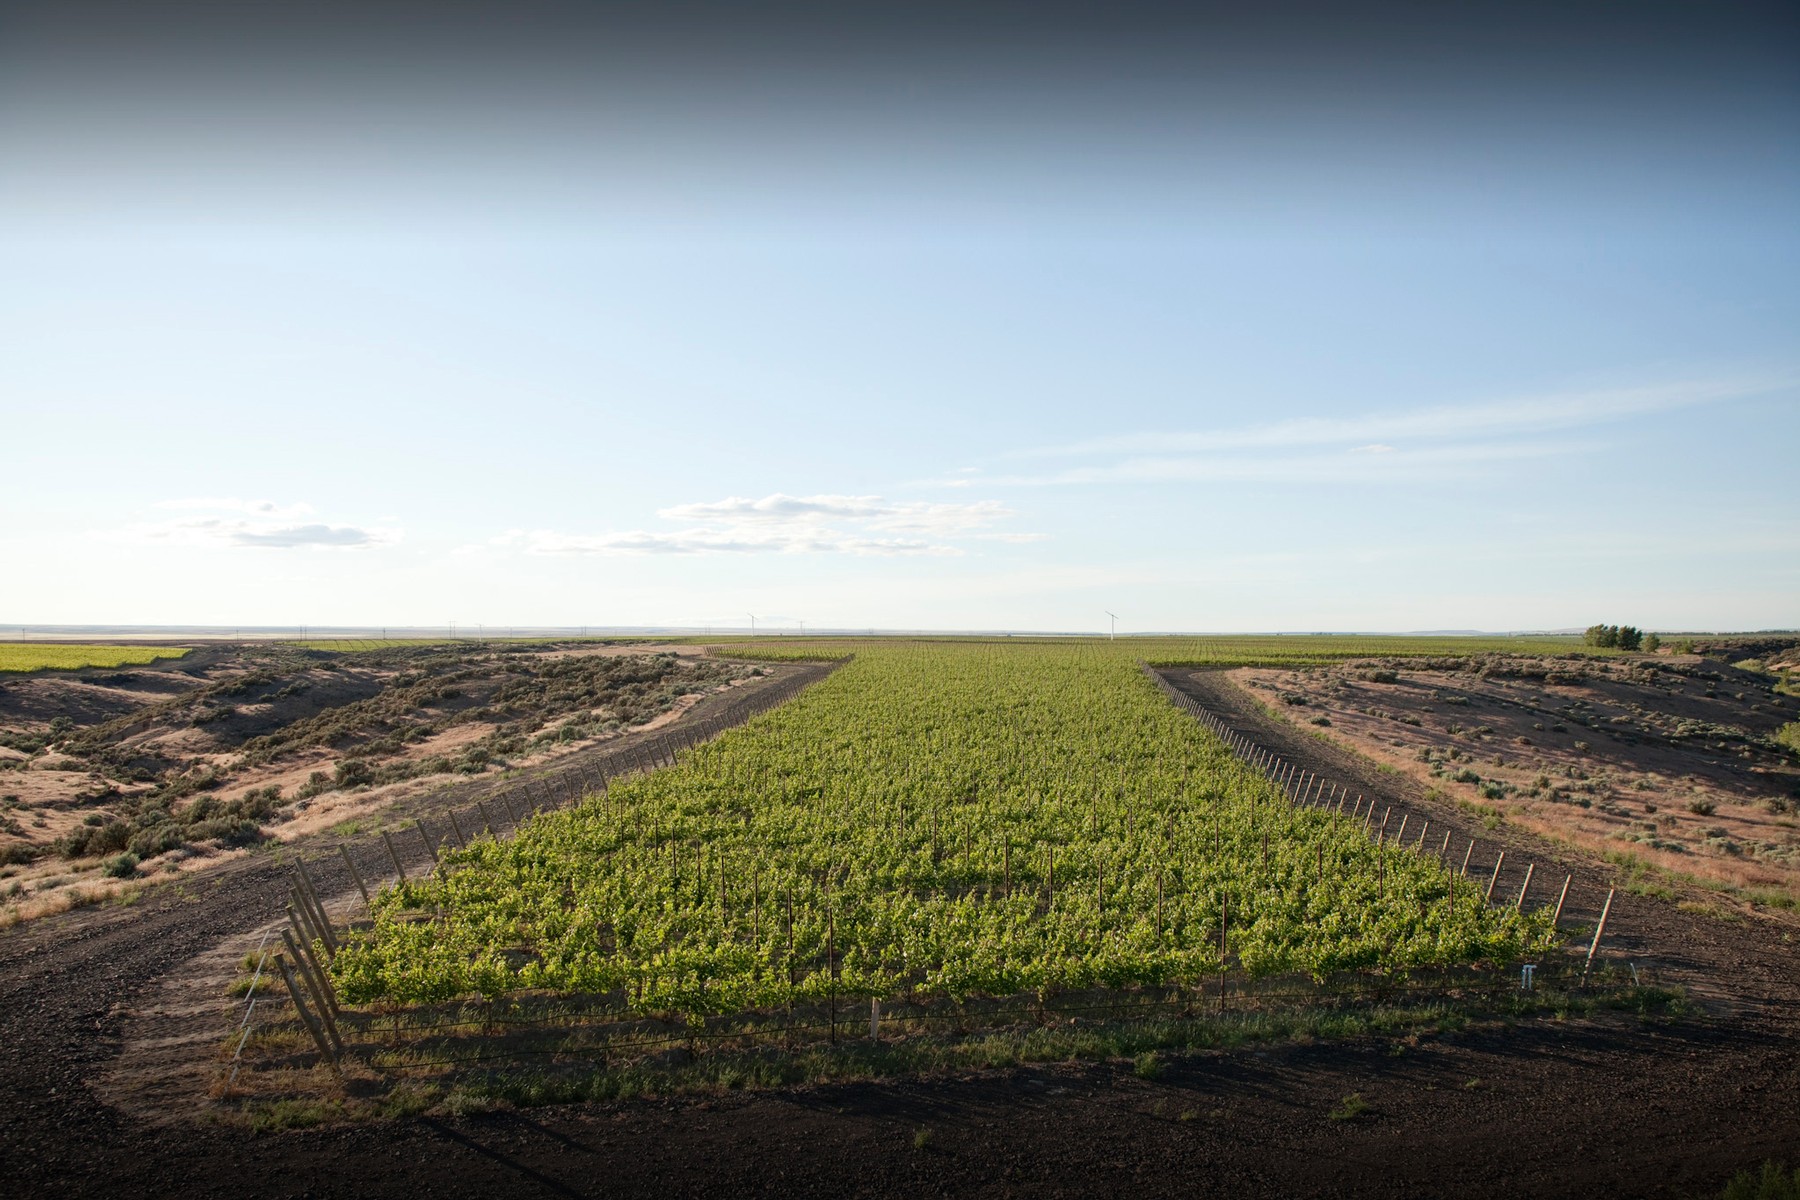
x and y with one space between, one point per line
1327 344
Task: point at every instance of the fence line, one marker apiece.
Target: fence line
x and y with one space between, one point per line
1304 788
1175 1003
309 932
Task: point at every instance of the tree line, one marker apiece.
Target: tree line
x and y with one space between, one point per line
1621 637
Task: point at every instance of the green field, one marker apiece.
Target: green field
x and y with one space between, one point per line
357 645
39 656
1235 650
935 819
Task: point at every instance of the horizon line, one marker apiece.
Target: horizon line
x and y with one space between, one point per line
484 632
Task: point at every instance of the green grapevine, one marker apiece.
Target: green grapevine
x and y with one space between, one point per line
934 819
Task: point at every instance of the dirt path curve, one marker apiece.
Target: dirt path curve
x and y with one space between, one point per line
72 986
1546 1109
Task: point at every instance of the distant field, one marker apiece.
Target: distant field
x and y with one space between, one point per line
1290 650
357 645
39 656
353 645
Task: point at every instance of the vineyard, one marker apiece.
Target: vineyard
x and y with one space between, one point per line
1239 650
934 820
39 656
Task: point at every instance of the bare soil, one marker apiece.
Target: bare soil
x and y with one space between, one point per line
1609 1107
1672 761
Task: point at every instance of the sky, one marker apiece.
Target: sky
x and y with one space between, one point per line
976 316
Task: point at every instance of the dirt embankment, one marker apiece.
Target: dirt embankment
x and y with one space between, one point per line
1674 763
109 777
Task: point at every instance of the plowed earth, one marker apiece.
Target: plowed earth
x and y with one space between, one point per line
1605 1107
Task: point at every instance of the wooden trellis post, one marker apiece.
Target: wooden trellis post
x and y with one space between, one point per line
393 856
1599 929
355 874
306 1018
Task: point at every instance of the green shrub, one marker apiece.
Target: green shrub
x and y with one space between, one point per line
159 839
120 866
1773 1183
233 831
86 840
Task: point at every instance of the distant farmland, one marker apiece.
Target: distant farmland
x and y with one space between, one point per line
36 656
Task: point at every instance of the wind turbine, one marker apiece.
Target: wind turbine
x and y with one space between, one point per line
1114 635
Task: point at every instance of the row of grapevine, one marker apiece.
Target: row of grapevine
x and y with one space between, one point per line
936 819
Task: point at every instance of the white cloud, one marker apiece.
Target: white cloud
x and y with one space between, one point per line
945 519
1434 463
784 524
781 509
1539 414
1422 445
777 507
253 524
724 541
